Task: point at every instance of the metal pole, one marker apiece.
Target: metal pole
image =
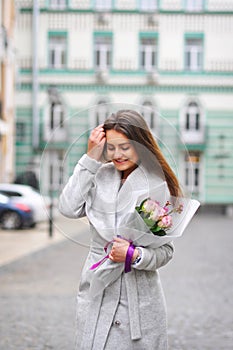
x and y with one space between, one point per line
35 114
51 214
51 194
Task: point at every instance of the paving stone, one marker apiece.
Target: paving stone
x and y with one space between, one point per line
38 292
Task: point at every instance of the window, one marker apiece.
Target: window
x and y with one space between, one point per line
149 113
102 112
20 131
192 117
58 4
103 5
194 5
56 116
148 53
56 169
192 123
193 54
192 171
148 5
57 51
103 52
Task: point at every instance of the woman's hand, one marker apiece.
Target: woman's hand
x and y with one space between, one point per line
96 143
119 250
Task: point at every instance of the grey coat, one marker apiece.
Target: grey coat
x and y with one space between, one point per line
130 313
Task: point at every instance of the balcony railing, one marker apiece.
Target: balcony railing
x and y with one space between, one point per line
193 137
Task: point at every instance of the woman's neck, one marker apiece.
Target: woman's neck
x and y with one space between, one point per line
126 173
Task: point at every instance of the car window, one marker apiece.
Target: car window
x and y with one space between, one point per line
3 198
11 193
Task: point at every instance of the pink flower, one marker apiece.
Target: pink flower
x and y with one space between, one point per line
149 206
162 211
155 214
165 222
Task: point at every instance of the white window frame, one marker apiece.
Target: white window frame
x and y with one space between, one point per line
194 5
58 4
148 112
148 50
101 112
148 5
192 172
55 170
58 50
55 127
193 54
56 118
192 117
192 122
104 50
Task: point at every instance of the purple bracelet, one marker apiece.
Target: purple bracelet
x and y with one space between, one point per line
129 256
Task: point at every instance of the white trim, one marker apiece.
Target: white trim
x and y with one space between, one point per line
93 110
57 52
190 187
148 50
103 46
193 54
192 135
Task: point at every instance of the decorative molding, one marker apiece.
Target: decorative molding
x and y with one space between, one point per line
133 11
25 68
134 88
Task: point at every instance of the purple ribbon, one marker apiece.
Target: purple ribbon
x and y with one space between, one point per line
94 266
129 256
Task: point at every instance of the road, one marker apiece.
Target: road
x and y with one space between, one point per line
38 291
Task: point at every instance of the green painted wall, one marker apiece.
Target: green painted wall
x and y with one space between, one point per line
24 150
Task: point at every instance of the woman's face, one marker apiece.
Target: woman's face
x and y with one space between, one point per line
121 152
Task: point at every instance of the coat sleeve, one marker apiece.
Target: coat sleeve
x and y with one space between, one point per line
76 192
153 259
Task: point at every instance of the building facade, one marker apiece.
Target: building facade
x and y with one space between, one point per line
7 89
170 60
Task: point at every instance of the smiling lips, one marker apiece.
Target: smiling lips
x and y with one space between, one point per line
120 161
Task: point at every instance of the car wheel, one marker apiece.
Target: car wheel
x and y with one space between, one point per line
11 220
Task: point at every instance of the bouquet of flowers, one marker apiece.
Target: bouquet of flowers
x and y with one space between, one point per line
157 218
143 216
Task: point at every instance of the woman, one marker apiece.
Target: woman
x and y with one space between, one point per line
129 312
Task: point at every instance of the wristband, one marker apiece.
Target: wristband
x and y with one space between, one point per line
128 258
138 258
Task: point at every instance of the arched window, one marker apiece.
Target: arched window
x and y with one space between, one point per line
56 116
55 127
102 112
192 124
192 117
148 112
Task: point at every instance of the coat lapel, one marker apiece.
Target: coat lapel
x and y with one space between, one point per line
109 204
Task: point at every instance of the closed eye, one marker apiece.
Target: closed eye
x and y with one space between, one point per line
110 148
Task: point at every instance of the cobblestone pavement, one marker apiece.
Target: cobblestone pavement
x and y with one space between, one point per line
37 297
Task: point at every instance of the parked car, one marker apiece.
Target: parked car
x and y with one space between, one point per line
29 196
15 214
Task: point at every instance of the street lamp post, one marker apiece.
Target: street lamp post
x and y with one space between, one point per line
54 98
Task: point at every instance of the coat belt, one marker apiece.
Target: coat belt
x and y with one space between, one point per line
95 306
133 304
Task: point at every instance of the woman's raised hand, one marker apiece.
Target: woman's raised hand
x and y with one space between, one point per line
96 143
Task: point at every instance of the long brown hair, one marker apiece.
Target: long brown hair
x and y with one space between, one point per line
133 126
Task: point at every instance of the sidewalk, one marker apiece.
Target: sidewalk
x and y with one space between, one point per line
15 244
